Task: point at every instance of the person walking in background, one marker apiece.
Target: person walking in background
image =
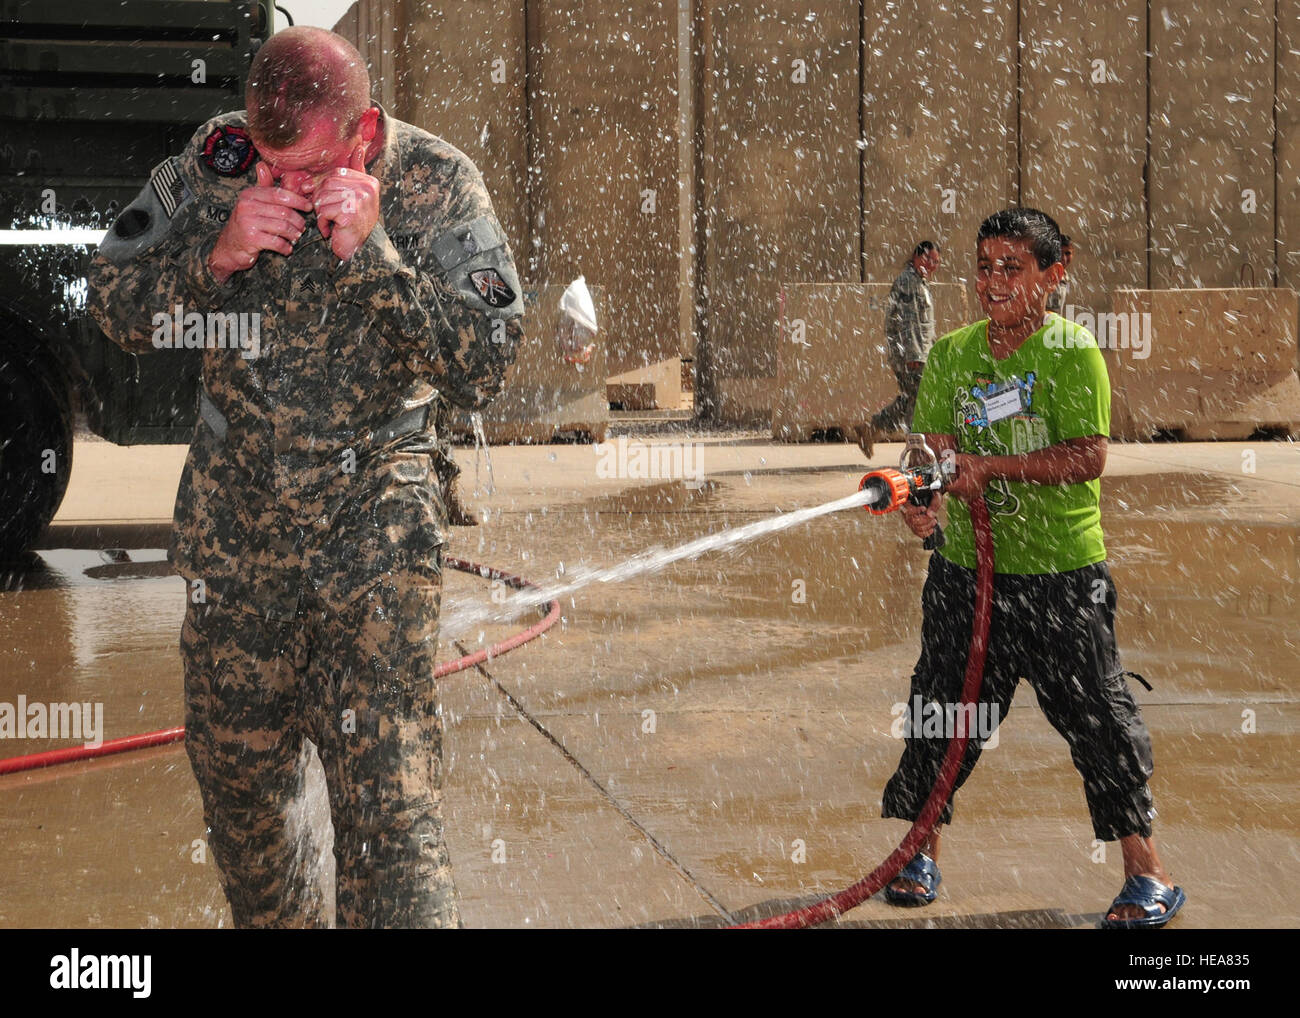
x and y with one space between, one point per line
1056 299
909 334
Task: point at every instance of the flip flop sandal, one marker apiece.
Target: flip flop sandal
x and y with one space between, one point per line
921 870
1148 894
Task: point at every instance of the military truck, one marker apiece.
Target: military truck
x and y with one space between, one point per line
93 95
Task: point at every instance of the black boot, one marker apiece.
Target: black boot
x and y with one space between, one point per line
866 438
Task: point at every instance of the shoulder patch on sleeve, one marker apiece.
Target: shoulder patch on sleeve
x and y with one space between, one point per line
140 225
229 151
461 243
494 290
168 185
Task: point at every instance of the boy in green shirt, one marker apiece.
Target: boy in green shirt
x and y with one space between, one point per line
1021 401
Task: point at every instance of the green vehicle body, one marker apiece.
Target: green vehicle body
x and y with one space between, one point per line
93 95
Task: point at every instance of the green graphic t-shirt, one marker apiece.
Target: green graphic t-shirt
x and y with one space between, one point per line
1052 389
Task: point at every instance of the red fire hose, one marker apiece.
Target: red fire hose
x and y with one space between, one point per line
837 904
15 764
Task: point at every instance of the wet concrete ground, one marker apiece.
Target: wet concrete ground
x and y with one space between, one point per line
769 740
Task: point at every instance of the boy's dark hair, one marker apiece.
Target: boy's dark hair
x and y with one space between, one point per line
1038 228
924 248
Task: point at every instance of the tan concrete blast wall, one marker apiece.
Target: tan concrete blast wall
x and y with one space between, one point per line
461 76
1287 179
586 121
1083 136
604 108
780 175
832 367
375 28
1211 181
752 306
1214 363
939 115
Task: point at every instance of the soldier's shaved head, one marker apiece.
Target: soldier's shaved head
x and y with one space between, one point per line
299 75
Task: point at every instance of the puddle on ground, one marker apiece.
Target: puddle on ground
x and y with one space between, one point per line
664 497
1154 494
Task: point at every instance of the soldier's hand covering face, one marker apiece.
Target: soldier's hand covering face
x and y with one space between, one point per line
347 205
265 218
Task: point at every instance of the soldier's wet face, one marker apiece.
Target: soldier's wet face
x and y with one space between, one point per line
319 150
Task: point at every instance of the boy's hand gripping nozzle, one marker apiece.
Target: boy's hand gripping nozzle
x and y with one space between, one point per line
919 475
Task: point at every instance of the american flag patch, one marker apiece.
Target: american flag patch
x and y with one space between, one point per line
168 186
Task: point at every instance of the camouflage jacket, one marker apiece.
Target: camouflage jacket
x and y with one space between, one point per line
1057 298
310 462
909 319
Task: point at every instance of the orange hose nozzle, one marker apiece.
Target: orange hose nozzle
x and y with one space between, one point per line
892 489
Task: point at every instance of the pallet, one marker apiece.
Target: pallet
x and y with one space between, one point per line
1225 431
805 432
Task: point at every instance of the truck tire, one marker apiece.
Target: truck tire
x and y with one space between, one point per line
35 450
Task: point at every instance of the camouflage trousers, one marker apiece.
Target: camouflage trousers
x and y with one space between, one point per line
443 461
359 685
445 465
898 415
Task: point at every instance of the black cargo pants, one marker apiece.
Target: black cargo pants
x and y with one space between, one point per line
1057 631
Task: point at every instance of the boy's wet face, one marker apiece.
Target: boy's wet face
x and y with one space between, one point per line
1008 282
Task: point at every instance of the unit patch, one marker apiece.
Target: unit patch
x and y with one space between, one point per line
492 288
229 151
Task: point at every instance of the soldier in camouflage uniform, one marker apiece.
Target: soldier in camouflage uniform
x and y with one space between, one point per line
909 334
1056 299
310 521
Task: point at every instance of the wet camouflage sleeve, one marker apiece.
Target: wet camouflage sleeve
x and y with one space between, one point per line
454 309
909 323
155 253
